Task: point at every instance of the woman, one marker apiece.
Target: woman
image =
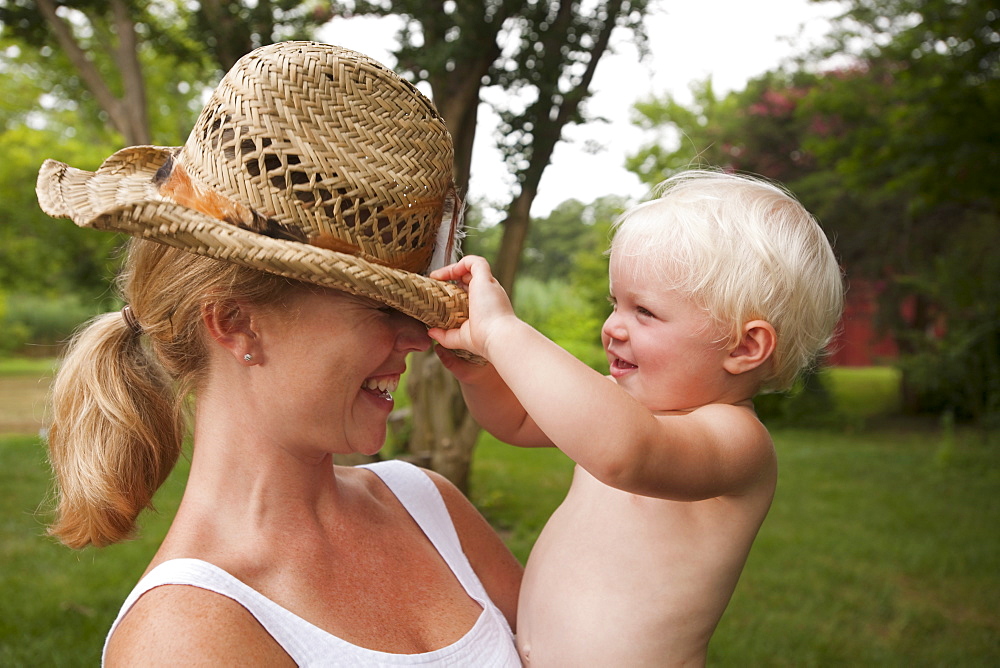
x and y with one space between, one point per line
284 293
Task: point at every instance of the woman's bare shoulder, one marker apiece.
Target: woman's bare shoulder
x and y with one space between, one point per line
186 625
495 565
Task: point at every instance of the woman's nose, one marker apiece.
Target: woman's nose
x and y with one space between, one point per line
412 335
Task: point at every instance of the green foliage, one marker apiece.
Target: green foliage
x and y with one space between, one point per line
179 48
560 312
896 156
50 90
957 366
44 321
933 74
834 398
232 28
755 130
572 232
808 404
38 254
922 145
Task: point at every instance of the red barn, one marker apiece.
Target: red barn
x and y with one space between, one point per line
857 343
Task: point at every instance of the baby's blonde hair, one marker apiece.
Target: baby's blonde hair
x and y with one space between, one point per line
744 249
118 418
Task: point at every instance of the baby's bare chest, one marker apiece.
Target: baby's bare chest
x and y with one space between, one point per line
602 538
597 525
663 569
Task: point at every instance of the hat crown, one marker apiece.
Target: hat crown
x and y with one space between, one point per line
331 147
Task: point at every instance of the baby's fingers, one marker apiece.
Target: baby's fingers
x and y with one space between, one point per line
449 338
453 272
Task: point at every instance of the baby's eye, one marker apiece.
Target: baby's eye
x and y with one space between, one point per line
642 310
613 301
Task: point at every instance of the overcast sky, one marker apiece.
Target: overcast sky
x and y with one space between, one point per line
729 40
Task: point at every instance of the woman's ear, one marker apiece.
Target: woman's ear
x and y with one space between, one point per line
233 328
755 346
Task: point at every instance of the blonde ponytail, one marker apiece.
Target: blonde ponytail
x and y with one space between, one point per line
118 399
116 433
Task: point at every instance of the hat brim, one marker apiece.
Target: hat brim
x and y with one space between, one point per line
66 192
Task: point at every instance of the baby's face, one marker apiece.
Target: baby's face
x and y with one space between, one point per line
663 349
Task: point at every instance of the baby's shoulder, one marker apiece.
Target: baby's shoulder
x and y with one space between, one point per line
735 419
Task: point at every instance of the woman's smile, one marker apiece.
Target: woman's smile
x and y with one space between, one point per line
382 386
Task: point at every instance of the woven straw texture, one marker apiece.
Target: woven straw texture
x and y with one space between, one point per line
309 161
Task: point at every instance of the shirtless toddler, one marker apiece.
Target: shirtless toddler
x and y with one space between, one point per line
723 287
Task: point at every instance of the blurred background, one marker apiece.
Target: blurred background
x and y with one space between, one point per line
881 116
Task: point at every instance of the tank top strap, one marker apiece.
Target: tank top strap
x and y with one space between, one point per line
422 500
296 636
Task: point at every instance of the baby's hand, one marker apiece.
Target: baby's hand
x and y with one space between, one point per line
488 305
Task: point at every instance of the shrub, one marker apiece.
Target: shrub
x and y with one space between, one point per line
37 321
560 312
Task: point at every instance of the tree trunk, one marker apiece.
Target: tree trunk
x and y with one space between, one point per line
913 395
515 231
128 113
133 102
443 433
559 110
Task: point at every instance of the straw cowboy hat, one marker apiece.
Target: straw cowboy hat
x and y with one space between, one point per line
309 161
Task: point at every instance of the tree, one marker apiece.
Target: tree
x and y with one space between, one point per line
76 104
561 46
39 255
932 69
81 77
111 45
543 54
896 154
754 130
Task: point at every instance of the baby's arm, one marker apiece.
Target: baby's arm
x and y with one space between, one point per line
490 400
714 450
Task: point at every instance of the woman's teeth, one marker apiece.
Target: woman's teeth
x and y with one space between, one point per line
384 384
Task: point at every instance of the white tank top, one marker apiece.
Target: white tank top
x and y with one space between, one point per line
489 642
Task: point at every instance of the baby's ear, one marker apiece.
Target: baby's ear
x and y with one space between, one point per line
755 346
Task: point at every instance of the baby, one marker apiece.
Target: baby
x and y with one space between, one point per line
723 287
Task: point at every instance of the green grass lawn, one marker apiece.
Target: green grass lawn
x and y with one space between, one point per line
865 391
22 366
878 550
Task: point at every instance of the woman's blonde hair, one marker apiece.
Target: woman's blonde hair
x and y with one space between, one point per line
118 418
744 249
